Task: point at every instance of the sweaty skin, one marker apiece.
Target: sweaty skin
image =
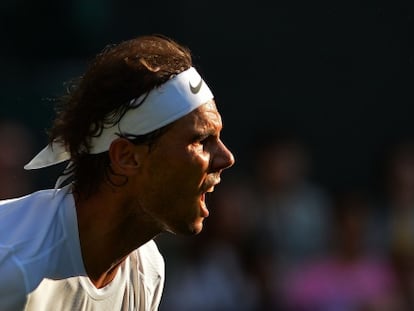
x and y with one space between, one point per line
184 164
166 189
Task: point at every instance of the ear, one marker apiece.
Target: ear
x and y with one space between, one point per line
124 157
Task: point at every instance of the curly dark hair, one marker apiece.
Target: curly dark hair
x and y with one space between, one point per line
102 96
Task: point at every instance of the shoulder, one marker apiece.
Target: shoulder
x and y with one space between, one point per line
22 219
151 271
149 257
40 201
150 264
31 228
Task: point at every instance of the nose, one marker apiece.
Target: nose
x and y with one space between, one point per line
224 157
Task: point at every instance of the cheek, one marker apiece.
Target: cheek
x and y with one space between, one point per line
185 167
168 181
176 174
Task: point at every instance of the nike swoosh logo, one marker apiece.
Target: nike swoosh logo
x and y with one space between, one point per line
196 89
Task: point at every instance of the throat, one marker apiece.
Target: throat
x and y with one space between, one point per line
101 279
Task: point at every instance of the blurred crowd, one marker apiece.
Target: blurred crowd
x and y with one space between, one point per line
276 239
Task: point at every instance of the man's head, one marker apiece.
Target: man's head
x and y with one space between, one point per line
142 119
170 182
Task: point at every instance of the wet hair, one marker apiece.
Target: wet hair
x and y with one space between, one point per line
101 96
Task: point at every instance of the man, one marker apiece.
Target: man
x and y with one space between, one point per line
141 133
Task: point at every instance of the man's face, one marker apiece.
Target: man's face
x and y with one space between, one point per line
184 164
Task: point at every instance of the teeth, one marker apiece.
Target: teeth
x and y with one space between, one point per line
210 189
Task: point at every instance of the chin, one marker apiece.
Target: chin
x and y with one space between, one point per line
195 227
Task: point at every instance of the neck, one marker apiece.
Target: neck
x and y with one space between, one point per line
110 228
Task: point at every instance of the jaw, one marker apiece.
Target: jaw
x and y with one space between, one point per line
194 223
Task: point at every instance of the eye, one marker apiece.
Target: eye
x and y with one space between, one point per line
202 140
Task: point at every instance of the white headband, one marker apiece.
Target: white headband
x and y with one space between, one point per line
163 105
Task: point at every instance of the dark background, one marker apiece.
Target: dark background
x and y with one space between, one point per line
340 78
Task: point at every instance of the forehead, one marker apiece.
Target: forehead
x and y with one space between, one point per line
204 117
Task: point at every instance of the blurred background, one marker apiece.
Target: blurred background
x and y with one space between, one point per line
318 212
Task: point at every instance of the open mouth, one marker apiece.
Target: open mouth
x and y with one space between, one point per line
203 207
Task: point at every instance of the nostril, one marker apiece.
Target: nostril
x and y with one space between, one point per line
230 159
